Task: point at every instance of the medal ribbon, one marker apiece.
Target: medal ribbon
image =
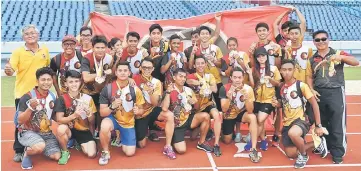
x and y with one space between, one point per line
98 68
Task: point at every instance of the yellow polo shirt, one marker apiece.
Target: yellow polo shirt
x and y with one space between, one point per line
26 63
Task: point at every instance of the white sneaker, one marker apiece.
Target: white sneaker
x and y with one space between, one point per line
238 137
104 158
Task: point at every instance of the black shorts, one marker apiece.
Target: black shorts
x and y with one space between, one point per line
228 124
209 108
286 140
142 124
179 132
95 98
217 100
81 136
263 107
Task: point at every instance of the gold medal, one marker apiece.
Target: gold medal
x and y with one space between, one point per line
99 80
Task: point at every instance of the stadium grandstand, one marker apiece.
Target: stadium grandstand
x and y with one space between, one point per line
56 18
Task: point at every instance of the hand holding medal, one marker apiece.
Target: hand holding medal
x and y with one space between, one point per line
32 104
108 72
210 59
155 52
117 103
231 94
81 109
137 111
170 88
253 47
266 79
244 93
173 58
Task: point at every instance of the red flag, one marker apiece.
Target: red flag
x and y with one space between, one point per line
239 23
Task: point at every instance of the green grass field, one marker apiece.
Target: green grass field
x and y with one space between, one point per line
8 84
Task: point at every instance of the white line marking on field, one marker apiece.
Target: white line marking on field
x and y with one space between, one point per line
153 169
288 166
211 160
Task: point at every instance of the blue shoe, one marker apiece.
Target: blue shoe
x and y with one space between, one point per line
26 164
248 146
264 145
71 143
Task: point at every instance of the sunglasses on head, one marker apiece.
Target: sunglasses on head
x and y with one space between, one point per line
321 39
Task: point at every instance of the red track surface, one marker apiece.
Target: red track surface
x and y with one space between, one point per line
151 158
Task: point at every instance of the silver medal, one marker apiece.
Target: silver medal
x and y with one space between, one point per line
39 107
206 92
157 49
262 80
187 107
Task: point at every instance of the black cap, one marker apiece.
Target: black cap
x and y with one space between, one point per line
260 51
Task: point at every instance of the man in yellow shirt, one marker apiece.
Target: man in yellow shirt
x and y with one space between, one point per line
213 55
204 84
237 105
296 124
120 103
152 92
25 61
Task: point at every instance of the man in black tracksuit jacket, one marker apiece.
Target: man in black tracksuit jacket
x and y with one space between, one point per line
325 77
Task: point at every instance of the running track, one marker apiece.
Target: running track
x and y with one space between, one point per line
151 157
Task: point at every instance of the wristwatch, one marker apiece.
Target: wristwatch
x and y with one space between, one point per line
319 125
111 107
167 92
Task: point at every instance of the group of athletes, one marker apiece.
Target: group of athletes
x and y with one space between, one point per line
121 94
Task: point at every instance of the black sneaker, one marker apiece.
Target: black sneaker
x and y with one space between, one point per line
253 155
153 137
316 151
217 151
275 140
301 161
322 148
337 160
205 147
209 135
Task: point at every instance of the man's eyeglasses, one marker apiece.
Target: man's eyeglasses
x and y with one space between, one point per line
69 44
321 39
147 68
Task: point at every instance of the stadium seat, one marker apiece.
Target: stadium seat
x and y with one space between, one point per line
44 15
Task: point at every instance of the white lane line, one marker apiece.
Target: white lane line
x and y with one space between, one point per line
211 160
288 166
